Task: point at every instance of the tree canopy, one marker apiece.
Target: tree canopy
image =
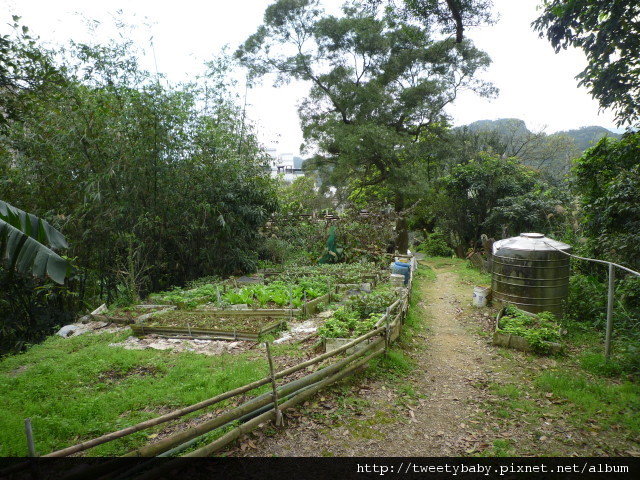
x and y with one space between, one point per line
151 184
379 85
608 32
453 16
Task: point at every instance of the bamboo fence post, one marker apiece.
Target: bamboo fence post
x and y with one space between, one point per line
278 413
250 425
29 432
387 333
305 310
205 403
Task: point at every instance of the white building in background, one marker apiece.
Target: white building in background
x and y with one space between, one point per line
285 164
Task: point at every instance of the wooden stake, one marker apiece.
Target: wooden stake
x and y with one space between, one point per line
30 443
274 395
290 302
304 308
387 333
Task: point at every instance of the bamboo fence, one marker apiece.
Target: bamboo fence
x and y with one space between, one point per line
260 409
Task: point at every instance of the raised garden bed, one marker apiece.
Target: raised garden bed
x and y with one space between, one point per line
359 312
526 331
131 314
178 324
181 318
275 295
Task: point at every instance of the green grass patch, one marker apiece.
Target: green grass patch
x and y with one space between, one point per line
395 363
423 273
79 388
593 398
501 448
467 272
507 390
596 363
371 428
471 275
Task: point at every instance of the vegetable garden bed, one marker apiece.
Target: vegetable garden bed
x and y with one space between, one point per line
319 372
293 293
526 331
180 324
129 315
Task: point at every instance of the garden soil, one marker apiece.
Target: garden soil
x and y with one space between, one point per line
452 404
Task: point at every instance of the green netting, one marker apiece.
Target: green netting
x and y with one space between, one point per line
332 253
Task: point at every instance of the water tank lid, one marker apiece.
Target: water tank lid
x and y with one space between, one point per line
530 242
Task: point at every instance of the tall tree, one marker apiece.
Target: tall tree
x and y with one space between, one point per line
453 16
495 196
607 180
379 85
608 31
152 185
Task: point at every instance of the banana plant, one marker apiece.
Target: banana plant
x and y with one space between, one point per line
26 243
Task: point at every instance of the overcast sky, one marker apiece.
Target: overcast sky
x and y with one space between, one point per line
535 84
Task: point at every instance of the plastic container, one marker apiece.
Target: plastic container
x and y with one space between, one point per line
401 268
480 296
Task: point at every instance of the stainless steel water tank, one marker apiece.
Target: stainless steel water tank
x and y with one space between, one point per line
529 272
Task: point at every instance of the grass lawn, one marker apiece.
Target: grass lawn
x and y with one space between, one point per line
75 389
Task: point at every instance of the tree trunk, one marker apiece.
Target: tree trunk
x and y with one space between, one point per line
402 228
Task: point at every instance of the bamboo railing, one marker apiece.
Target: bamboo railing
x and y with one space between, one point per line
280 398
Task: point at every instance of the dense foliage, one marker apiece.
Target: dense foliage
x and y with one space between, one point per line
495 196
31 309
379 85
607 180
302 240
609 34
152 185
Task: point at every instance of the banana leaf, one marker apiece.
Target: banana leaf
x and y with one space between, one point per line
26 243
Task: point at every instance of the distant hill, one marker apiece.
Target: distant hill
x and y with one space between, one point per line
500 125
587 137
584 137
550 153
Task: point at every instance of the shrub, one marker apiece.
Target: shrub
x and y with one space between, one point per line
435 245
30 310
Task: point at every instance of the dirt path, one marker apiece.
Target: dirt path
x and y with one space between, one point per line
456 403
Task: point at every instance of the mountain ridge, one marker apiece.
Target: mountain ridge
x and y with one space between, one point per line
584 137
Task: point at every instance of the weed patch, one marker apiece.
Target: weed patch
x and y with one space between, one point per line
593 398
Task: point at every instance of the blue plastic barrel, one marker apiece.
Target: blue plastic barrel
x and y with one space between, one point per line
402 268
